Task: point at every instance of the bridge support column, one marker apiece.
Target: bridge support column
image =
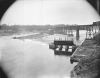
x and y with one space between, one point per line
77 33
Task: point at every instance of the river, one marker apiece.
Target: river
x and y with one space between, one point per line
31 59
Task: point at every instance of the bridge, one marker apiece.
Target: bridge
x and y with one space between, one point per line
91 29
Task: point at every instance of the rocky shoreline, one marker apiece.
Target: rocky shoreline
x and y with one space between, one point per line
88 67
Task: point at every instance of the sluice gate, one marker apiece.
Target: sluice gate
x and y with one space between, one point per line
63 47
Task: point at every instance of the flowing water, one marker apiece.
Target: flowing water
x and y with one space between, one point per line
31 59
34 59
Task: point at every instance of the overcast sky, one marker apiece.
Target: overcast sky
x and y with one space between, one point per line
40 12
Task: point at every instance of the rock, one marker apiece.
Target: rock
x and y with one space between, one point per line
88 67
87 70
81 52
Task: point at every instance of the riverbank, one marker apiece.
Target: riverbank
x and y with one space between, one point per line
88 67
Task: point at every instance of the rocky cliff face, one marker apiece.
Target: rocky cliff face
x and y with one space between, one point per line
89 66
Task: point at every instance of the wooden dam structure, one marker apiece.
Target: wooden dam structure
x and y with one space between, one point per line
66 46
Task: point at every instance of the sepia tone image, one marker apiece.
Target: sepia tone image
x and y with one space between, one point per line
49 39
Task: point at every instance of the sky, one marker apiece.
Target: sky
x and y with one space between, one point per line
41 12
